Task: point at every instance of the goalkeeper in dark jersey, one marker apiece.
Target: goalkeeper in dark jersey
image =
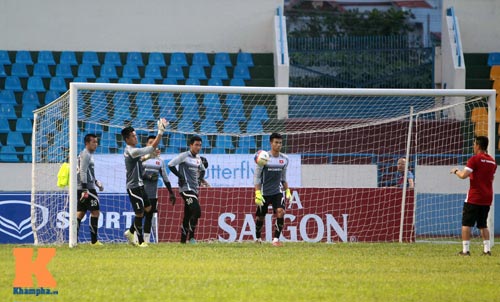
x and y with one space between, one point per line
270 181
86 185
190 167
135 186
152 169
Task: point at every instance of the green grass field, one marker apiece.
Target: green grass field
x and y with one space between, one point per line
252 272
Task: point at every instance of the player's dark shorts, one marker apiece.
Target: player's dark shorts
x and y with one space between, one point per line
88 204
277 201
138 198
191 204
473 213
154 205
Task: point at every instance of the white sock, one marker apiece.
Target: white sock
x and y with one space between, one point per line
275 240
146 237
465 246
486 245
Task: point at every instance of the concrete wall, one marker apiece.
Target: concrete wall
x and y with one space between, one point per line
129 25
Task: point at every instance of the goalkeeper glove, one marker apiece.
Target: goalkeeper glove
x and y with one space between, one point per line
288 194
259 199
99 185
162 126
85 192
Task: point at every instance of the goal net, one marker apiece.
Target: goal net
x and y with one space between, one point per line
343 146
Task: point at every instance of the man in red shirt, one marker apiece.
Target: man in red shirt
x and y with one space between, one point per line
480 169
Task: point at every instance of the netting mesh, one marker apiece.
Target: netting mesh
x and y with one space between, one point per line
343 161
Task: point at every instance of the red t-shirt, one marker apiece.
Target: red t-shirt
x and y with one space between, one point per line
483 168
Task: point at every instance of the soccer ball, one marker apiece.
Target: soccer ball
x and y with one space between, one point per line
261 158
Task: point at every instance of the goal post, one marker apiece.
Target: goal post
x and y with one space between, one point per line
343 146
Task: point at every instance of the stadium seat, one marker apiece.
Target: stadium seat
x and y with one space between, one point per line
30 97
36 84
234 100
224 141
24 125
197 72
265 143
58 84
131 71
50 96
494 59
41 70
4 126
86 70
3 73
4 58
112 58
102 80
259 112
185 124
222 58
24 57
125 81
218 150
7 97
27 111
46 57
479 117
170 81
495 73
231 126
200 58
157 58
68 57
244 58
177 140
208 126
166 104
108 70
135 58
254 126
172 150
64 71
219 72
8 154
90 58
189 99
148 81
144 105
242 150
175 72
13 83
178 58
27 154
109 140
192 82
19 70
212 106
153 72
237 82
241 72
15 139
247 142
215 82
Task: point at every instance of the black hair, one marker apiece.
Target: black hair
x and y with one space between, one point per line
275 135
194 138
482 142
126 132
88 137
151 137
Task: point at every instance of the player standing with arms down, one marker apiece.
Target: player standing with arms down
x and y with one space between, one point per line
135 186
190 167
480 169
86 182
152 169
269 181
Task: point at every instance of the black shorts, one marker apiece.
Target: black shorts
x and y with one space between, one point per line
277 201
88 204
138 199
473 213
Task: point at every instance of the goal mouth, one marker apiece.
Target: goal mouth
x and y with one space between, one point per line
343 147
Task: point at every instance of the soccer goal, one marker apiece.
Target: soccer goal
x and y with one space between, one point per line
343 146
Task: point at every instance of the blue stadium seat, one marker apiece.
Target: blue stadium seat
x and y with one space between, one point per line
36 84
166 102
148 81
8 154
144 105
3 73
212 106
27 154
197 72
86 70
224 141
222 58
90 58
7 97
157 58
185 124
112 58
4 125
125 81
192 82
108 139
41 70
24 125
30 97
218 150
121 103
234 101
247 142
237 82
64 71
494 59
237 113
231 126
153 72
219 72
68 57
58 84
170 81
94 128
189 99
177 140
27 111
80 80
178 58
254 126
241 72
200 58
108 70
102 80
19 70
215 82
244 58
259 112
46 57
242 150
265 143
15 139
131 71
4 58
172 150
50 96
175 72
208 126
135 58
13 83
24 56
